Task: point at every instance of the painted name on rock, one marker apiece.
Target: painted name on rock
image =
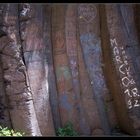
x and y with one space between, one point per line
127 81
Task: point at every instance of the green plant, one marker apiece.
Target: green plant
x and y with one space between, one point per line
9 132
67 130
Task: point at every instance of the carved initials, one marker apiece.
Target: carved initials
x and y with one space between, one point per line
135 91
116 51
136 103
129 104
128 92
118 59
124 70
113 41
120 69
126 81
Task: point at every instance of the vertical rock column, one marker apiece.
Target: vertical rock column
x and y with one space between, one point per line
68 112
72 53
18 92
88 101
4 109
132 52
51 72
119 31
90 42
34 49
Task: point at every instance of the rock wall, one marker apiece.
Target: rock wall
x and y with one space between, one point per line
75 63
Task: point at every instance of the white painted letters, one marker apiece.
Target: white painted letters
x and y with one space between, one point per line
127 80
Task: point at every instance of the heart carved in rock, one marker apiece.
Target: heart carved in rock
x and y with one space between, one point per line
87 12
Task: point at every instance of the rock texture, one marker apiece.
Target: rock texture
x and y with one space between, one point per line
75 63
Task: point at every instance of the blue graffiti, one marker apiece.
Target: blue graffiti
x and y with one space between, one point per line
64 102
91 47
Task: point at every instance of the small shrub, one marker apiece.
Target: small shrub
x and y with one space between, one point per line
9 132
67 130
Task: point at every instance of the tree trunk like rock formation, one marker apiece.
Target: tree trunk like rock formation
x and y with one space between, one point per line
75 63
17 89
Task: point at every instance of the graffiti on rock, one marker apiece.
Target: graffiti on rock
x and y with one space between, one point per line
87 12
26 8
63 72
127 81
92 52
64 103
60 42
71 42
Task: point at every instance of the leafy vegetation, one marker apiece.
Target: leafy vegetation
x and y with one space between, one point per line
67 130
9 132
